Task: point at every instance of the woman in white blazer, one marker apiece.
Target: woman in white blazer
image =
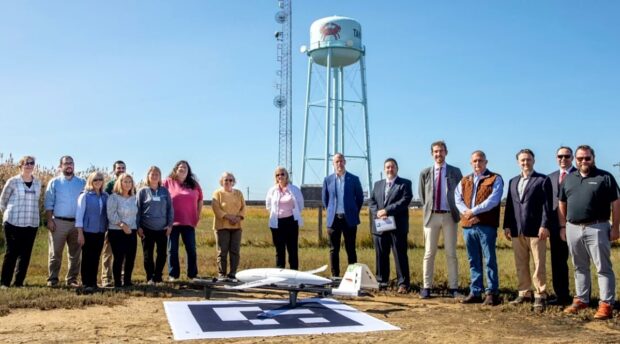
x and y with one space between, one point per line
285 203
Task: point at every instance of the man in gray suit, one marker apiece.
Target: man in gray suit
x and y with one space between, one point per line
437 184
559 249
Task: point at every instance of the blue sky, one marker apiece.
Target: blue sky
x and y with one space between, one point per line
152 82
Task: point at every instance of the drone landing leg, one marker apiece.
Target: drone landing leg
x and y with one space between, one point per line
292 298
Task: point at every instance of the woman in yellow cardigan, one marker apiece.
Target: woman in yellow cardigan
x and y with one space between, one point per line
229 209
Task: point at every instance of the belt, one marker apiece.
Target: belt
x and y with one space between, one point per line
340 216
440 211
586 224
70 219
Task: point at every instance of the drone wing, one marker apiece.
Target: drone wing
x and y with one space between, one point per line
258 283
321 269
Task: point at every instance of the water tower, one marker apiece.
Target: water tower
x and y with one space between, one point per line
337 54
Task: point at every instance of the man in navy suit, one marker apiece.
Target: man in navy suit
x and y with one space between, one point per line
526 223
390 197
343 198
559 249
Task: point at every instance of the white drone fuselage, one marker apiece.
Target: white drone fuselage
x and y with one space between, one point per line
280 277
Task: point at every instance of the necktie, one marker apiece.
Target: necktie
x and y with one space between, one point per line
387 190
438 191
562 176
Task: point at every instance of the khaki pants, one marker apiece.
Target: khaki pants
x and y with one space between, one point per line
522 246
65 233
228 243
106 263
440 223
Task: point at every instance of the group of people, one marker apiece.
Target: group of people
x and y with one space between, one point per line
94 221
570 207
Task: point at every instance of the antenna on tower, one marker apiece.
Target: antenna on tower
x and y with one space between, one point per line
283 99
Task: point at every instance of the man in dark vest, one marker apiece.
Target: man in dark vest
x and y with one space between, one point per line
478 198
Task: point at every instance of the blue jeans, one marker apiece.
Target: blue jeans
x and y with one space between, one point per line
480 243
188 234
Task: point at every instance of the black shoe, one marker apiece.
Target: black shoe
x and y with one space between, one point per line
383 286
425 293
471 298
560 301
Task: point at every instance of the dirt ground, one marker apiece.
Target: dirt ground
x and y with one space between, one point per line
438 320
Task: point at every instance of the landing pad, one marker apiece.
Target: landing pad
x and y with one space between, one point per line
266 318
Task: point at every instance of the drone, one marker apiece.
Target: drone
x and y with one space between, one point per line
356 281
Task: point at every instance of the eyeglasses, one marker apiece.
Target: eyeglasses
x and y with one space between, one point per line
582 158
229 180
97 180
564 156
29 163
280 174
68 163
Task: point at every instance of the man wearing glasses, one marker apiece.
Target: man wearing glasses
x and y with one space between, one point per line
60 208
586 197
559 249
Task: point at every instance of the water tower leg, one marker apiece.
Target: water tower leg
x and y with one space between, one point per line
306 116
328 105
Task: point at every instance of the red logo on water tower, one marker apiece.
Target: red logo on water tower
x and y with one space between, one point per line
330 29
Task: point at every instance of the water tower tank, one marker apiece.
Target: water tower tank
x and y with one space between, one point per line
342 34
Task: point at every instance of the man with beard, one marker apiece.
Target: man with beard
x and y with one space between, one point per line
60 208
436 188
586 197
390 197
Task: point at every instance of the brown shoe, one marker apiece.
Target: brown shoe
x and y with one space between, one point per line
471 298
604 311
575 307
491 300
402 290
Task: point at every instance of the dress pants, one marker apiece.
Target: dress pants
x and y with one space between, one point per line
93 243
285 238
559 264
154 239
341 228
124 252
591 243
440 222
522 247
19 242
396 241
65 232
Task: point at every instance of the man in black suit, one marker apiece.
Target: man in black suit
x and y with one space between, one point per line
526 222
559 249
390 198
